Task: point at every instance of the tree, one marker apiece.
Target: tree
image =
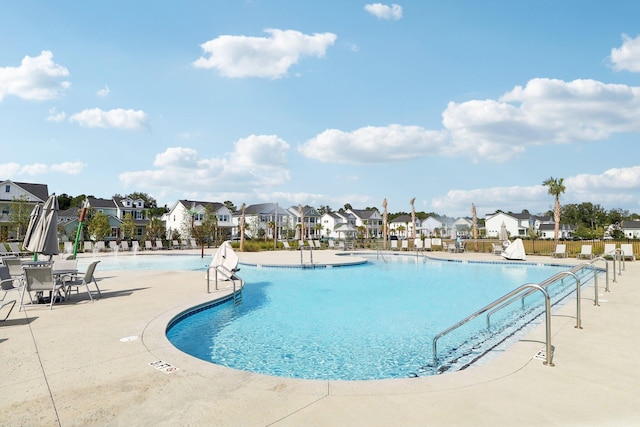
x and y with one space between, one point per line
229 204
128 227
99 227
20 214
556 188
413 217
64 201
155 229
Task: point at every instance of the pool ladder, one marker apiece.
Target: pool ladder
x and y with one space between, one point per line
528 289
237 287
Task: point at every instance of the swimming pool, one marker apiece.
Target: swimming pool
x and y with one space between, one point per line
373 321
173 262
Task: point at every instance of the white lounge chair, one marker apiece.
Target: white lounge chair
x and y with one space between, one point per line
87 246
99 247
113 246
427 244
176 244
332 244
609 250
68 247
496 248
405 245
124 246
585 252
147 245
627 251
193 243
135 245
560 252
417 244
394 245
159 244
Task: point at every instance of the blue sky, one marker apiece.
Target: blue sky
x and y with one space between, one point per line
325 103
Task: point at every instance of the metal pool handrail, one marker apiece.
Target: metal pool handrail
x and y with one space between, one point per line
233 276
510 295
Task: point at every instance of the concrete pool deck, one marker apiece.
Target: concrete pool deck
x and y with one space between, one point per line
86 363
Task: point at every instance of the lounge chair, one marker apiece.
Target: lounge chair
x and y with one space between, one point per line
3 250
417 244
135 245
147 245
99 247
14 248
113 246
285 244
84 281
427 244
176 244
124 246
609 250
560 252
87 246
405 245
586 252
193 243
317 244
159 244
39 280
496 248
332 244
394 245
627 251
68 247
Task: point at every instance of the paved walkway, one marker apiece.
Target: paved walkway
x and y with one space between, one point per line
90 364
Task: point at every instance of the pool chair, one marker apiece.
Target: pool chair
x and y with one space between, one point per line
99 247
285 244
496 248
560 252
176 244
394 245
417 244
113 246
14 265
147 245
585 253
87 246
159 244
71 282
3 250
627 251
135 245
405 245
8 283
609 250
15 249
68 247
317 244
427 244
40 280
193 243
124 246
332 244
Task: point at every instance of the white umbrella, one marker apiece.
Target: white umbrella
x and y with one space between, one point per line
44 238
504 236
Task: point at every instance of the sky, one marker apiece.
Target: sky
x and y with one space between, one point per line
325 103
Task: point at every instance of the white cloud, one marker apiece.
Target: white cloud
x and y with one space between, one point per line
544 112
55 116
103 92
270 57
116 119
374 144
612 188
37 78
67 168
627 56
383 11
257 162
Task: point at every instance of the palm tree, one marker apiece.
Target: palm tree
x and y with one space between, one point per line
556 188
413 217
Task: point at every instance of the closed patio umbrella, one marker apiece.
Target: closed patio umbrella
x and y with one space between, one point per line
504 236
33 219
44 238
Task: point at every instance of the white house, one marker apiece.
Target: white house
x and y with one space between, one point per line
185 213
430 225
403 226
493 224
631 229
11 191
312 221
370 219
463 226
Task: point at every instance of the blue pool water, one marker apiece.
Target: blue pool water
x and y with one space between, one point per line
372 321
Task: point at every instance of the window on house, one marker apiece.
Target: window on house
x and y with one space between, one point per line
7 189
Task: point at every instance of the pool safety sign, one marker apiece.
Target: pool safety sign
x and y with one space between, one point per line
163 366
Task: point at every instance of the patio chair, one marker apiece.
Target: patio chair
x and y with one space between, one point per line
417 244
496 248
124 246
113 246
317 244
176 244
68 247
147 245
394 245
99 247
193 243
560 252
88 246
14 248
15 266
285 244
427 244
627 251
76 283
159 244
3 250
405 245
39 280
8 283
332 244
135 245
585 252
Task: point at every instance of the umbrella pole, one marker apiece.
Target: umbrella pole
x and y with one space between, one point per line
79 232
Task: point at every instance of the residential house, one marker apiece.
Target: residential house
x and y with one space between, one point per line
518 225
462 227
312 221
631 229
10 191
371 220
432 226
402 226
187 213
547 231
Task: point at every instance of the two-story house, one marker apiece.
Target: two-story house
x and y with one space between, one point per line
18 192
187 213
